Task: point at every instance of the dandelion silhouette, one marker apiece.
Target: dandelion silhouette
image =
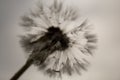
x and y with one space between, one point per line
50 42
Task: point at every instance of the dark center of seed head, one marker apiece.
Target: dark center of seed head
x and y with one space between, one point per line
56 35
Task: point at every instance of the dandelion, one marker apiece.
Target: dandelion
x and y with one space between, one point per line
53 42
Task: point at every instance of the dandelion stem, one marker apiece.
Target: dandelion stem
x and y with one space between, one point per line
22 70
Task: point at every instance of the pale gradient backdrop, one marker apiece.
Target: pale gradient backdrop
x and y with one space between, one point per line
103 14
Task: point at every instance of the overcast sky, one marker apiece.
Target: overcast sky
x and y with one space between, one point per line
104 15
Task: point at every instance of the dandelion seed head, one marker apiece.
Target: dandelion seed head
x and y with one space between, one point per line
54 45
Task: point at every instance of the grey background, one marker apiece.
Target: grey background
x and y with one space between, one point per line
104 14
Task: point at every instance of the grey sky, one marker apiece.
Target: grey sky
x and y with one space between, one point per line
104 14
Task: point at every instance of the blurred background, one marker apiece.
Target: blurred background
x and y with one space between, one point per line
103 14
